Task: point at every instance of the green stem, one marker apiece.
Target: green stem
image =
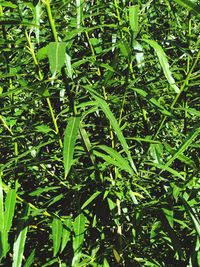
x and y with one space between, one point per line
51 21
32 52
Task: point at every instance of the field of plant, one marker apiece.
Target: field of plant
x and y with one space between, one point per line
99 133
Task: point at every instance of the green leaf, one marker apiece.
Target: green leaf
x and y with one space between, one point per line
66 233
121 162
186 143
170 170
79 7
87 143
169 216
19 244
164 63
105 108
124 48
1 208
152 100
56 55
139 54
156 151
8 4
56 52
133 17
79 229
2 242
30 259
96 44
57 235
90 199
190 5
192 215
69 142
68 65
43 128
172 234
9 214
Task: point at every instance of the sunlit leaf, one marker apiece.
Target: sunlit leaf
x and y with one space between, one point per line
57 235
69 142
164 63
90 199
20 241
133 17
193 6
79 231
104 106
67 224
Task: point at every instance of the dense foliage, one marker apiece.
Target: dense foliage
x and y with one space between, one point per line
99 133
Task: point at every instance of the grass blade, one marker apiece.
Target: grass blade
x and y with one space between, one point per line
56 234
163 62
69 142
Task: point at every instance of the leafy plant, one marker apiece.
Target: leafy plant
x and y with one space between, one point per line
99 127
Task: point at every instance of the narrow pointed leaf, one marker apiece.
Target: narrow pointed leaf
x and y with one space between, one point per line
190 5
19 243
116 156
152 100
192 215
172 234
133 17
68 65
69 142
66 233
1 208
90 199
9 208
56 55
186 143
30 259
105 108
57 235
79 7
87 143
139 54
79 228
164 63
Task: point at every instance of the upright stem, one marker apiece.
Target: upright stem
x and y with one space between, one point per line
32 52
51 21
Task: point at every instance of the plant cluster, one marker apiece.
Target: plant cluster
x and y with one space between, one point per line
99 133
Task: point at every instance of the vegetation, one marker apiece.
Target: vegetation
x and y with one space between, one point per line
99 126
